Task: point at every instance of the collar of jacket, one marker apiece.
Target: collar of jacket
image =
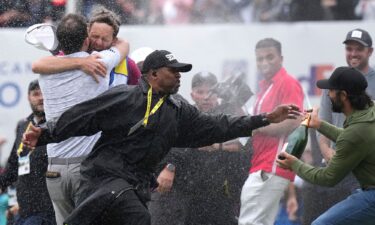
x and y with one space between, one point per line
31 118
171 98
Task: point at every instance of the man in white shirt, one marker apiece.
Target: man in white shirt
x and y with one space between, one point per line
62 91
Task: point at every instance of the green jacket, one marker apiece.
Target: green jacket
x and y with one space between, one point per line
355 152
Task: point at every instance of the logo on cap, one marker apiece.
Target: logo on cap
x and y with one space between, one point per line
170 57
357 34
360 36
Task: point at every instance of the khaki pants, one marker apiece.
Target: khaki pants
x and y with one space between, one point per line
64 190
260 198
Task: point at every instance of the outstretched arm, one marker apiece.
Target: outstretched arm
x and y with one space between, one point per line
207 129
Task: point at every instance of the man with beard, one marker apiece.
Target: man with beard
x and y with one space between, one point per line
62 91
139 125
354 149
358 50
266 182
103 28
28 168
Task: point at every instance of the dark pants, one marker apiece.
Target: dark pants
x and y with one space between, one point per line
127 209
115 202
37 219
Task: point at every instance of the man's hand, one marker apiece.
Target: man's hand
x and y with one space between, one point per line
31 136
165 180
283 112
93 66
287 162
314 119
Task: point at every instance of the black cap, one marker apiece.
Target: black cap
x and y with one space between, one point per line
360 36
345 78
163 58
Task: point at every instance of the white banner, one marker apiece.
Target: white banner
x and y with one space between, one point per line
311 51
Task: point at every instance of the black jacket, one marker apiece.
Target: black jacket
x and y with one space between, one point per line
134 157
32 193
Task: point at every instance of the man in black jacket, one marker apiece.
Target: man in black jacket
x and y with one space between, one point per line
139 125
28 168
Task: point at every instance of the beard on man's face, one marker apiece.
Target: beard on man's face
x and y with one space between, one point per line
37 112
337 104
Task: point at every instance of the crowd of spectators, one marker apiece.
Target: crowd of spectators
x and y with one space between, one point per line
23 13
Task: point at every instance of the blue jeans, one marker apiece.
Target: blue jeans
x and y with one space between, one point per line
37 219
358 208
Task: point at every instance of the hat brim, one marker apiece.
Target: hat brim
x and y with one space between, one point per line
356 40
323 84
181 67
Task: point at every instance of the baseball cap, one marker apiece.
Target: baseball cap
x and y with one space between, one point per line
345 78
360 36
163 58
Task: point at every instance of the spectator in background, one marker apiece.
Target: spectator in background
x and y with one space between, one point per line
24 13
365 9
221 11
129 11
344 10
269 10
266 182
29 169
171 11
306 10
57 9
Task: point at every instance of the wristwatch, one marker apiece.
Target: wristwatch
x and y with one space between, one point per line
170 167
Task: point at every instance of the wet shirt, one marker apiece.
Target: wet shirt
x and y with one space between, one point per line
63 90
283 89
134 157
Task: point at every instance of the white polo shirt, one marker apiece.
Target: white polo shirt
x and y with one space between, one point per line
61 91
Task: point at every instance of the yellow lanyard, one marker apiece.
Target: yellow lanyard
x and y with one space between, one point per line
20 147
156 107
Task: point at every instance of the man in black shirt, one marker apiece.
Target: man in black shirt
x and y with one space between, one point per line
139 125
28 168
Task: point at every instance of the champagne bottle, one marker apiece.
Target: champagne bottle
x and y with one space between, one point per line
297 140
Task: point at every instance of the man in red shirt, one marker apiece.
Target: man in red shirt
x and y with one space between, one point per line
266 183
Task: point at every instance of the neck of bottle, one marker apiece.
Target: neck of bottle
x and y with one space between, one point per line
306 121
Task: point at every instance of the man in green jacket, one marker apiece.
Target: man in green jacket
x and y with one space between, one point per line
355 149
